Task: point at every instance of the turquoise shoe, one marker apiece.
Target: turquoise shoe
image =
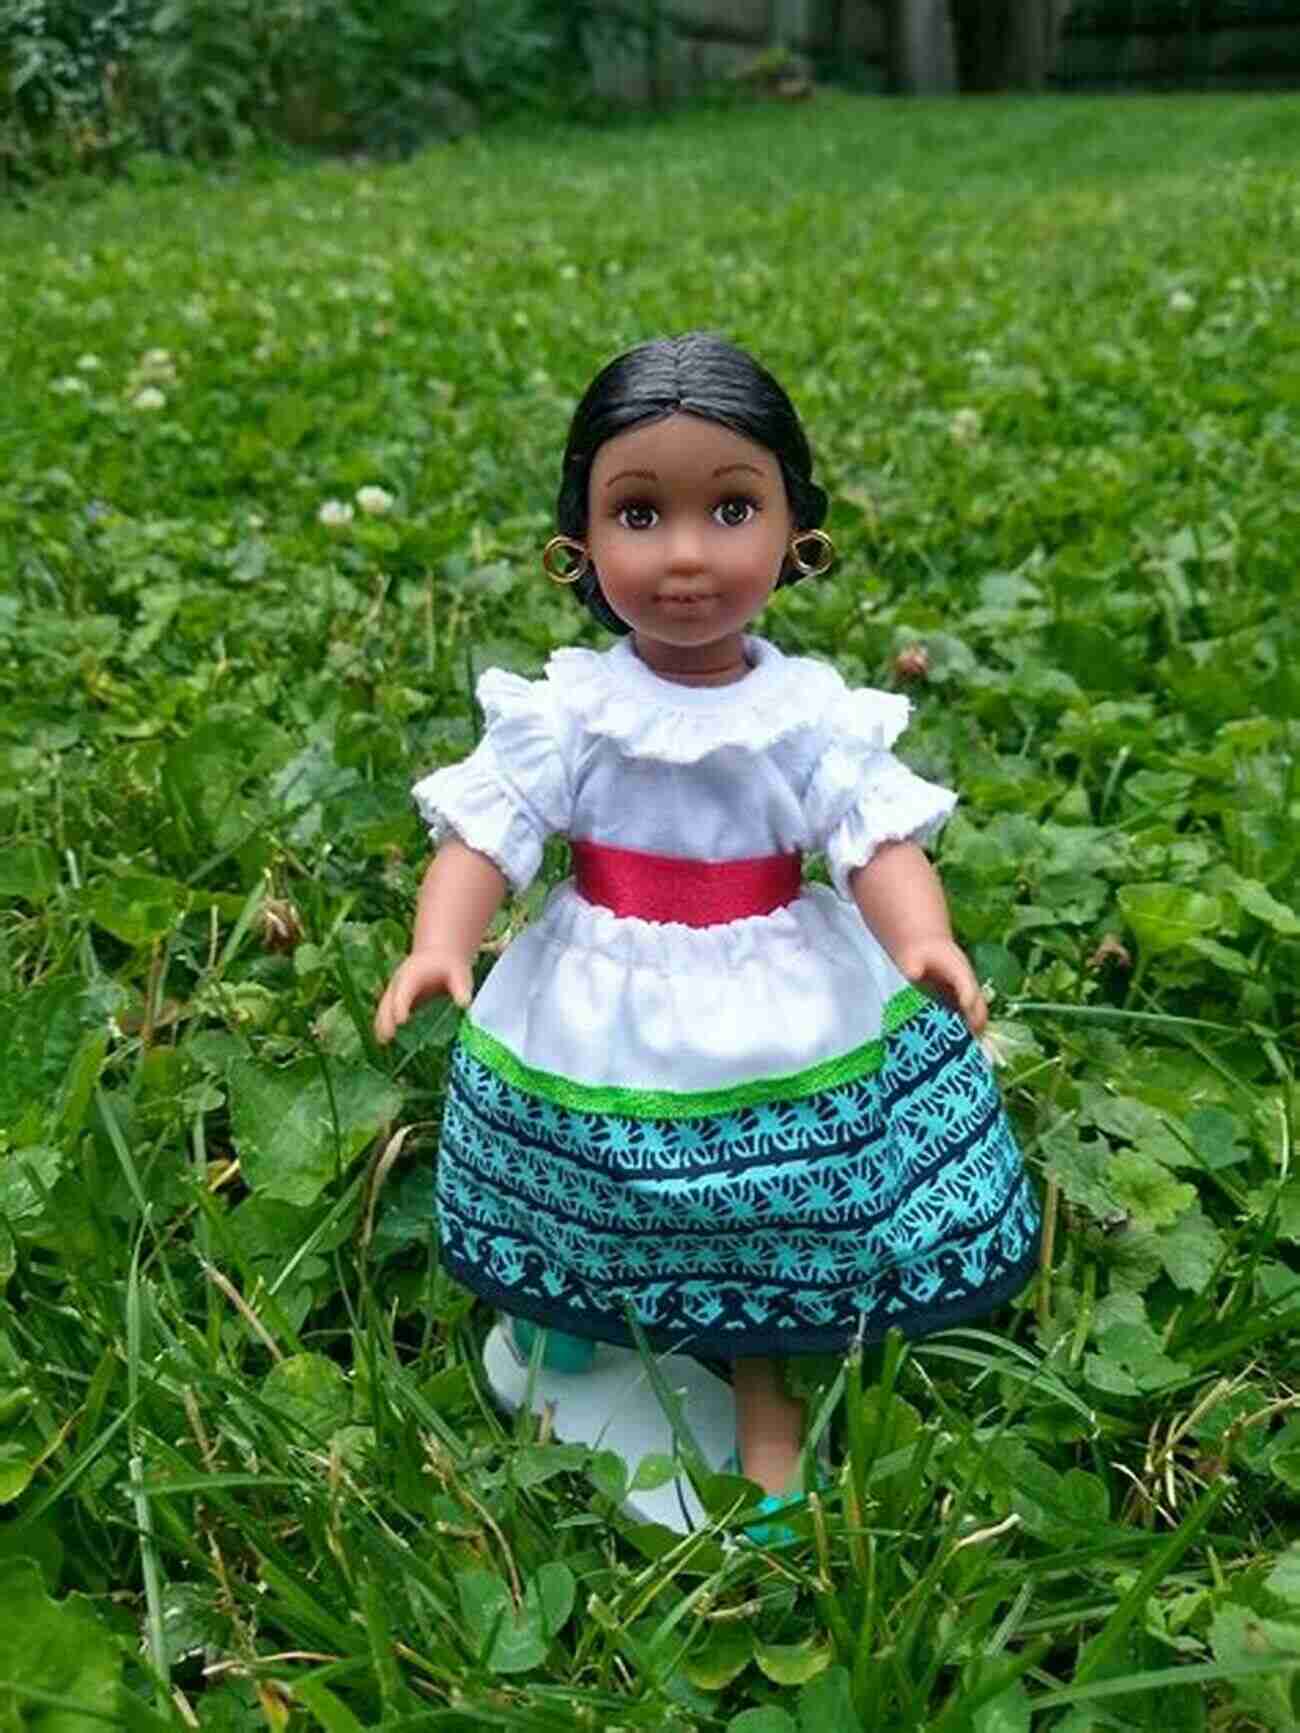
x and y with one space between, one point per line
773 1534
560 1352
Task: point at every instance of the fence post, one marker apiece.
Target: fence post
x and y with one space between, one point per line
924 47
841 34
654 68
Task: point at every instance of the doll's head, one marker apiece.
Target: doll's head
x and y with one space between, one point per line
698 374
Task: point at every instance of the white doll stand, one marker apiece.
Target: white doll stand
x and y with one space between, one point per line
613 1407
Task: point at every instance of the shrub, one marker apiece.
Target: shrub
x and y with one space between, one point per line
83 83
61 63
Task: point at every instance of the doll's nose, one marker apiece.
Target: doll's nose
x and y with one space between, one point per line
685 550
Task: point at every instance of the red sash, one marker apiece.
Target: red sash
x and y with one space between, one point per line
695 893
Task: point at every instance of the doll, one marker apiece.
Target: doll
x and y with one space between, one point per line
748 1108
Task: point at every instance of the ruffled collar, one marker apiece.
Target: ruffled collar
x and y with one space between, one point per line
618 697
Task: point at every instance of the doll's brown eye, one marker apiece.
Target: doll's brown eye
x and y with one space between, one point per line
734 512
637 515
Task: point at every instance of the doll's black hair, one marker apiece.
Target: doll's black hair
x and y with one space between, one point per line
696 374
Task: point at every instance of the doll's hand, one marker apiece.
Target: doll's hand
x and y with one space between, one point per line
418 978
940 967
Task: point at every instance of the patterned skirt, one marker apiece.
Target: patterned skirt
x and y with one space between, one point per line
789 1215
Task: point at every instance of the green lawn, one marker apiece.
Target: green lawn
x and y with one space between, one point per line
1049 355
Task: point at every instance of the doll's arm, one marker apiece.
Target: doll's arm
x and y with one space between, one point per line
461 892
901 900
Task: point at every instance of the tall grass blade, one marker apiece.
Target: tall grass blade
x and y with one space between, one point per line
77 1469
149 1559
694 1459
1100 1649
331 1711
1159 1679
966 1702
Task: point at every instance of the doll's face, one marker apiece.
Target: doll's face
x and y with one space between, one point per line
688 524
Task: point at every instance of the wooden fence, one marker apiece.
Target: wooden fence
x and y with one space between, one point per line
1206 44
652 51
658 51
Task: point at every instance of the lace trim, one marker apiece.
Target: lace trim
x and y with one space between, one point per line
467 801
619 699
677 1104
916 812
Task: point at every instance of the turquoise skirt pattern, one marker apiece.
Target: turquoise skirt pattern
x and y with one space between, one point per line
785 1216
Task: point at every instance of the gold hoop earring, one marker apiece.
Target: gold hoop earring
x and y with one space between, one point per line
825 552
571 550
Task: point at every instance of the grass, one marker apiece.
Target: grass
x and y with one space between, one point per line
1049 355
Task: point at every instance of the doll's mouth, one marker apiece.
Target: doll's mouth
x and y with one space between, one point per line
686 598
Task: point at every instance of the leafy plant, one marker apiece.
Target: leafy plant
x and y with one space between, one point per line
91 85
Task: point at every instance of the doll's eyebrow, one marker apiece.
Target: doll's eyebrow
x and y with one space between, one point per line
649 474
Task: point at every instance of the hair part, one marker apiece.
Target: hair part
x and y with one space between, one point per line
697 374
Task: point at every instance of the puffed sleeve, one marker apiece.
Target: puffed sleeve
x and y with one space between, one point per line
860 794
513 791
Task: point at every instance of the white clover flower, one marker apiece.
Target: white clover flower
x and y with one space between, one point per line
994 1046
149 398
69 386
156 361
979 358
1181 302
89 363
375 501
965 426
334 514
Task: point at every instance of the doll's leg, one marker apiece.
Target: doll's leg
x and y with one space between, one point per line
769 1424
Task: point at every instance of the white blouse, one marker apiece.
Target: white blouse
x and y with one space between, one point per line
601 749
